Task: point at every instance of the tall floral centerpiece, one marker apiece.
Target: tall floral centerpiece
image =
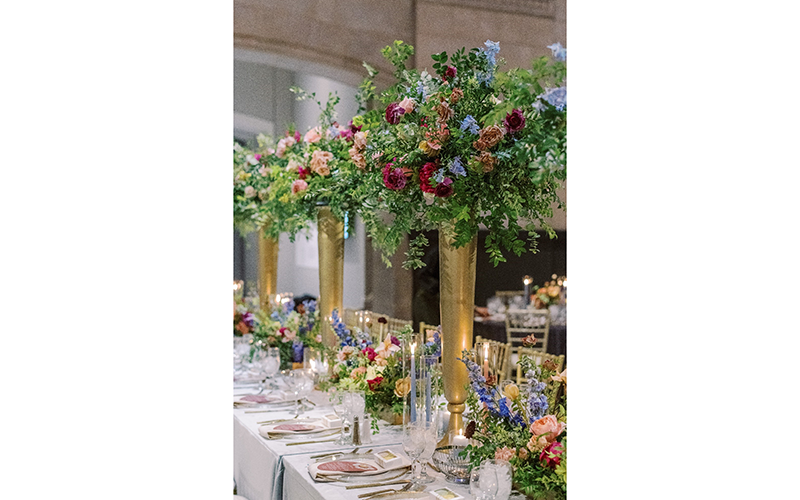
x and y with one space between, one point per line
455 150
261 202
523 425
321 174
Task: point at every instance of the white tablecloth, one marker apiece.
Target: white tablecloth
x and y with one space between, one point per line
258 463
298 485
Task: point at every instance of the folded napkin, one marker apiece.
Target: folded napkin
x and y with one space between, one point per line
353 467
295 427
270 398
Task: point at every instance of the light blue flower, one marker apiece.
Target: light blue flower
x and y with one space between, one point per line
439 177
457 168
485 77
559 52
491 50
421 90
539 106
469 123
557 97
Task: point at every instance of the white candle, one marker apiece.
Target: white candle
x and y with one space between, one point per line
486 360
460 440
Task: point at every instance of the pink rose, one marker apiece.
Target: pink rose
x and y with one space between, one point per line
312 136
547 427
319 338
291 141
263 172
408 104
280 152
357 158
249 191
299 185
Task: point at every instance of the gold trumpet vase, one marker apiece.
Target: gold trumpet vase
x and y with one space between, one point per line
267 268
457 304
330 231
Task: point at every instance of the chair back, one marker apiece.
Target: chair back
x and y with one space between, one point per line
423 327
539 357
504 355
521 323
395 324
349 317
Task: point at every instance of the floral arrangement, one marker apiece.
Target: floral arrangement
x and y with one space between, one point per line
290 330
464 147
376 369
244 316
525 426
548 294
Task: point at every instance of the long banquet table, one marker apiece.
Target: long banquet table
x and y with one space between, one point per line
267 469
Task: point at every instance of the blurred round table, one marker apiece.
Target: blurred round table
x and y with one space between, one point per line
495 329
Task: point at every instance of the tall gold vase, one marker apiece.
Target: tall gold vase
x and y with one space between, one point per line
330 232
267 268
457 304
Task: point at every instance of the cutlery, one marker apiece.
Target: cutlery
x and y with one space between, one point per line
279 435
296 443
434 468
407 487
413 488
335 453
278 420
377 485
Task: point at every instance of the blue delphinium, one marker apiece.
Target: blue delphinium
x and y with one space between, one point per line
297 351
469 123
491 50
340 330
434 347
557 97
457 168
439 177
537 401
559 52
288 307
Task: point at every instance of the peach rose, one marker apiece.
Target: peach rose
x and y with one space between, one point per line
249 191
280 152
547 428
357 158
361 370
360 140
298 186
504 454
263 172
489 137
408 104
312 136
487 160
319 162
456 95
523 453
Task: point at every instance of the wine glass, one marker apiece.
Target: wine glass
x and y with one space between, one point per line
354 403
416 438
298 382
272 363
336 399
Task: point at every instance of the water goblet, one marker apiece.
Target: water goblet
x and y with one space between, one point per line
297 381
417 436
336 398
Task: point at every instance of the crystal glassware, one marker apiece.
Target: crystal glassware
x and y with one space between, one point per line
417 438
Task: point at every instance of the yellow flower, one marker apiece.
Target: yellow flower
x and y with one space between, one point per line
428 149
512 391
402 387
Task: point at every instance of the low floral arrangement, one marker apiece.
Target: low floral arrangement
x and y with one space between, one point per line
290 330
244 316
465 147
376 369
548 294
525 426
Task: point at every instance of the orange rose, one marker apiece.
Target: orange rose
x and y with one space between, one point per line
319 162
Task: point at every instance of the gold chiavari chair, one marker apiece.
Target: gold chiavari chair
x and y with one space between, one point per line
504 356
539 357
521 323
424 327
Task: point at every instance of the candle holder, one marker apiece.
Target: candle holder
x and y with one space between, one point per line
487 356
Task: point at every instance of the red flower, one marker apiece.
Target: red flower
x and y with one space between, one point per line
374 383
428 171
394 178
444 189
369 352
304 172
393 113
450 72
551 456
514 121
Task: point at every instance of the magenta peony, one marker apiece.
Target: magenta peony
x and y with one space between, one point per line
393 113
514 121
